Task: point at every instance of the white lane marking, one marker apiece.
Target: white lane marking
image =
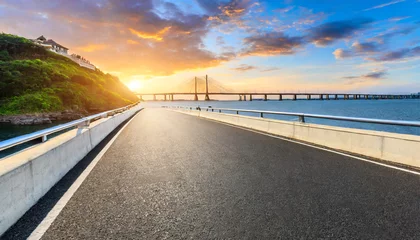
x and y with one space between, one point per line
55 211
321 148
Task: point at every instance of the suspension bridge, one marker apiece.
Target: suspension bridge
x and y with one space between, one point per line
207 87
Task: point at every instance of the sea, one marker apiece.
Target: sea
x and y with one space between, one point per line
401 109
406 109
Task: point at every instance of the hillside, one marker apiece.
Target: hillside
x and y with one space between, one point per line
35 80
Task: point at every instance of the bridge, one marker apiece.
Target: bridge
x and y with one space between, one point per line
200 87
178 173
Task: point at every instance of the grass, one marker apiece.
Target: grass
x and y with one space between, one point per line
34 80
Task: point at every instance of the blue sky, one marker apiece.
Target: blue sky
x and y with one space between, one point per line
248 45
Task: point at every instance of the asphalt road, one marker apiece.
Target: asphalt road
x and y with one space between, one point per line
174 176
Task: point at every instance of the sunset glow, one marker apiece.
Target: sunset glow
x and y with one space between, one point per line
135 85
251 45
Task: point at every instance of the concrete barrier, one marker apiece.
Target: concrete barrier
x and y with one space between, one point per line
28 175
394 147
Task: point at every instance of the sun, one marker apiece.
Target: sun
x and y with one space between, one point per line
135 85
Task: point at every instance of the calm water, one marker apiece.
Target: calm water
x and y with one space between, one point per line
9 131
408 109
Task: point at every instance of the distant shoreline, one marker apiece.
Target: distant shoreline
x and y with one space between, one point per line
40 118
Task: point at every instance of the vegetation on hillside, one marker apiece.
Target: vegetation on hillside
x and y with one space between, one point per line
33 80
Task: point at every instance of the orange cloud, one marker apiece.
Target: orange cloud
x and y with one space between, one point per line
233 12
92 47
156 36
132 42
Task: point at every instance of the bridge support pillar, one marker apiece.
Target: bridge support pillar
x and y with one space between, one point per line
172 97
250 97
240 97
154 97
308 97
165 97
207 97
245 97
327 96
141 98
336 97
294 97
195 97
321 96
280 97
265 97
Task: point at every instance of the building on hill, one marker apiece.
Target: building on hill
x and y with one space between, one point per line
51 45
60 49
56 47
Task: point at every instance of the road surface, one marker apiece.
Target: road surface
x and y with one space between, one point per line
174 176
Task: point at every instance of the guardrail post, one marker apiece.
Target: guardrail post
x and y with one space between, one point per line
84 124
301 118
44 138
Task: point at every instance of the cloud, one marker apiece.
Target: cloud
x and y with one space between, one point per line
398 54
374 75
341 53
385 37
327 33
244 68
270 44
366 47
227 11
306 17
210 6
384 5
397 19
220 40
130 41
270 69
233 15
357 49
140 37
284 10
158 36
278 43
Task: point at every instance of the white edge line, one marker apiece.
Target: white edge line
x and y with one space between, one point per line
320 148
58 207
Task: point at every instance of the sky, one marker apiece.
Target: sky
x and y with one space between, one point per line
247 45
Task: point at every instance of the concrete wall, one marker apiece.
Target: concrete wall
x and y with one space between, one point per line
28 175
399 148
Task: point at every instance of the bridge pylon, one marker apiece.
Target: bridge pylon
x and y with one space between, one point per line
207 98
195 95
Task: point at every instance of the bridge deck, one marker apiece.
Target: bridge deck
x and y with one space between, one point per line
170 175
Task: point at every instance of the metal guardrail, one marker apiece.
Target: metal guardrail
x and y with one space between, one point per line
43 134
302 116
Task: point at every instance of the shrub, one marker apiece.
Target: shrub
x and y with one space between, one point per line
44 101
